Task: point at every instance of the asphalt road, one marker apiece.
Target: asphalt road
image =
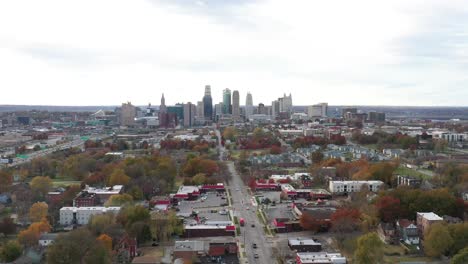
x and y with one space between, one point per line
243 208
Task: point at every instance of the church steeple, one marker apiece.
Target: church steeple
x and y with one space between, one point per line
162 107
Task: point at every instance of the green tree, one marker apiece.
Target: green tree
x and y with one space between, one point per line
230 133
459 234
6 179
118 177
437 240
369 249
136 193
11 251
199 179
119 199
461 257
41 185
132 214
99 253
71 247
98 223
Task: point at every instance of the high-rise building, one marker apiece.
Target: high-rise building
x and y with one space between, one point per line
227 107
189 114
200 109
261 110
318 110
235 105
162 107
285 104
219 109
249 105
376 117
208 103
348 111
128 113
275 109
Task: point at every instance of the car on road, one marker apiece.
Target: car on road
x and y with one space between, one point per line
254 245
253 225
256 256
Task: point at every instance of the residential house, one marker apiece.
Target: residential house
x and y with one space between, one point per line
408 231
47 239
387 233
126 248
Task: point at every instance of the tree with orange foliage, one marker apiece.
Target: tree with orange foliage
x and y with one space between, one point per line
345 220
38 211
347 170
106 241
200 165
308 222
30 236
6 179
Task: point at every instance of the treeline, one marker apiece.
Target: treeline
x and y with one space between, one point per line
385 140
307 141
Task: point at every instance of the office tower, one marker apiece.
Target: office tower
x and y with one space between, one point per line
376 117
275 109
227 107
189 114
249 105
219 109
261 110
285 104
318 110
348 112
127 114
162 107
235 105
200 109
208 103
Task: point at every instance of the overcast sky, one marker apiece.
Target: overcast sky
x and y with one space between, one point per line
105 52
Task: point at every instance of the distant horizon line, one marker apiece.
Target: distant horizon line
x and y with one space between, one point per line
339 105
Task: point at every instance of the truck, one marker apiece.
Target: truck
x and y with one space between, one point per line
241 221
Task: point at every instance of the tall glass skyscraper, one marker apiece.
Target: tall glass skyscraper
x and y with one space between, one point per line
208 103
227 106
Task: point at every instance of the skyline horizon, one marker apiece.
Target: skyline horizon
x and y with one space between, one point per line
363 53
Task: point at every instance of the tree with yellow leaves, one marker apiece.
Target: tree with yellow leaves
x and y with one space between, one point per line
38 211
30 236
118 177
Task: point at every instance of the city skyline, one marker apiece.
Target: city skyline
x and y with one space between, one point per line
364 53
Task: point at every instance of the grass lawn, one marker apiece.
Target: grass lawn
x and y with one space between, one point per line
64 183
410 172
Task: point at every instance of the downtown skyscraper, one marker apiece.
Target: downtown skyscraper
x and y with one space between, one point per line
235 105
249 108
227 107
208 103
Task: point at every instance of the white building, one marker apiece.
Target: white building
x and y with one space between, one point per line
320 257
353 186
104 193
47 239
82 215
318 110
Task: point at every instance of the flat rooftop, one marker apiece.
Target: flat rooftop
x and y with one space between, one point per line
431 216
